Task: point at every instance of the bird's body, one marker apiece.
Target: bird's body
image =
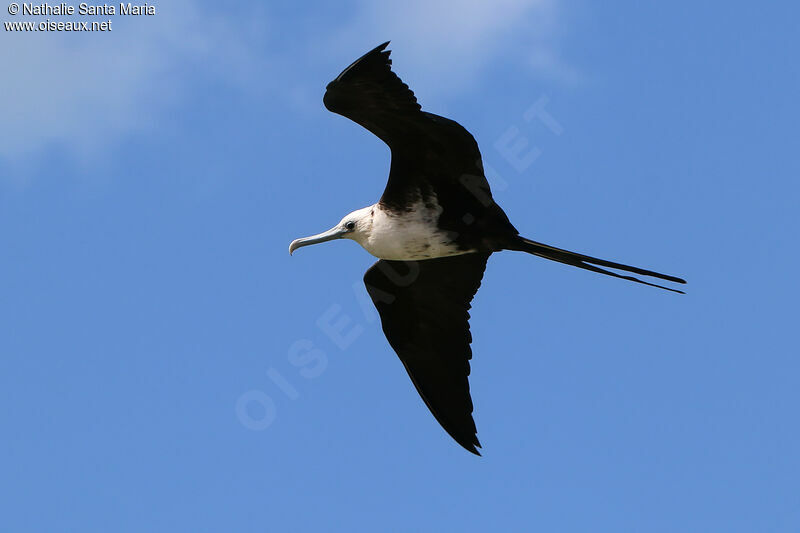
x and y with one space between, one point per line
409 235
433 230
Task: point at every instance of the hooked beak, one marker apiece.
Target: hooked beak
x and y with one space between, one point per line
333 233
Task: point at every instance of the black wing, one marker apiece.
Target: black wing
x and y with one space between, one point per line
370 94
432 157
424 308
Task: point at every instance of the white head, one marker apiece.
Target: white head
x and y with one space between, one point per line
355 226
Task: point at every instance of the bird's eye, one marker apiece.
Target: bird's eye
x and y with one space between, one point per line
350 226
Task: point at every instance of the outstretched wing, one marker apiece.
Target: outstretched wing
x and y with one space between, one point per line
424 308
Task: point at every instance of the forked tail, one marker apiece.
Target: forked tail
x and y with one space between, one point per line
589 263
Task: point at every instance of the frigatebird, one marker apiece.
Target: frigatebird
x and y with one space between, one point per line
432 230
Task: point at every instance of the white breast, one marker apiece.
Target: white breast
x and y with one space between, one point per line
410 235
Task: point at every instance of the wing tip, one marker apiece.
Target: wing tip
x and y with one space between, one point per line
378 50
471 444
473 448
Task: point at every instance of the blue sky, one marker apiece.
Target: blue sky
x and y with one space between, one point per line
153 323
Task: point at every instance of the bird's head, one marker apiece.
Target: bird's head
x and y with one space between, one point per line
355 226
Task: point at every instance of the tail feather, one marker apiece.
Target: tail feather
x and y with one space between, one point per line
590 263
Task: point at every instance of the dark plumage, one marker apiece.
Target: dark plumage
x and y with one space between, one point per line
434 228
427 323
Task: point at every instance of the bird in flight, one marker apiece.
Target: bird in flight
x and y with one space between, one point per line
432 230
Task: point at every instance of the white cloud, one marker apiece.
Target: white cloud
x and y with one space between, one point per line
75 91
450 43
80 92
